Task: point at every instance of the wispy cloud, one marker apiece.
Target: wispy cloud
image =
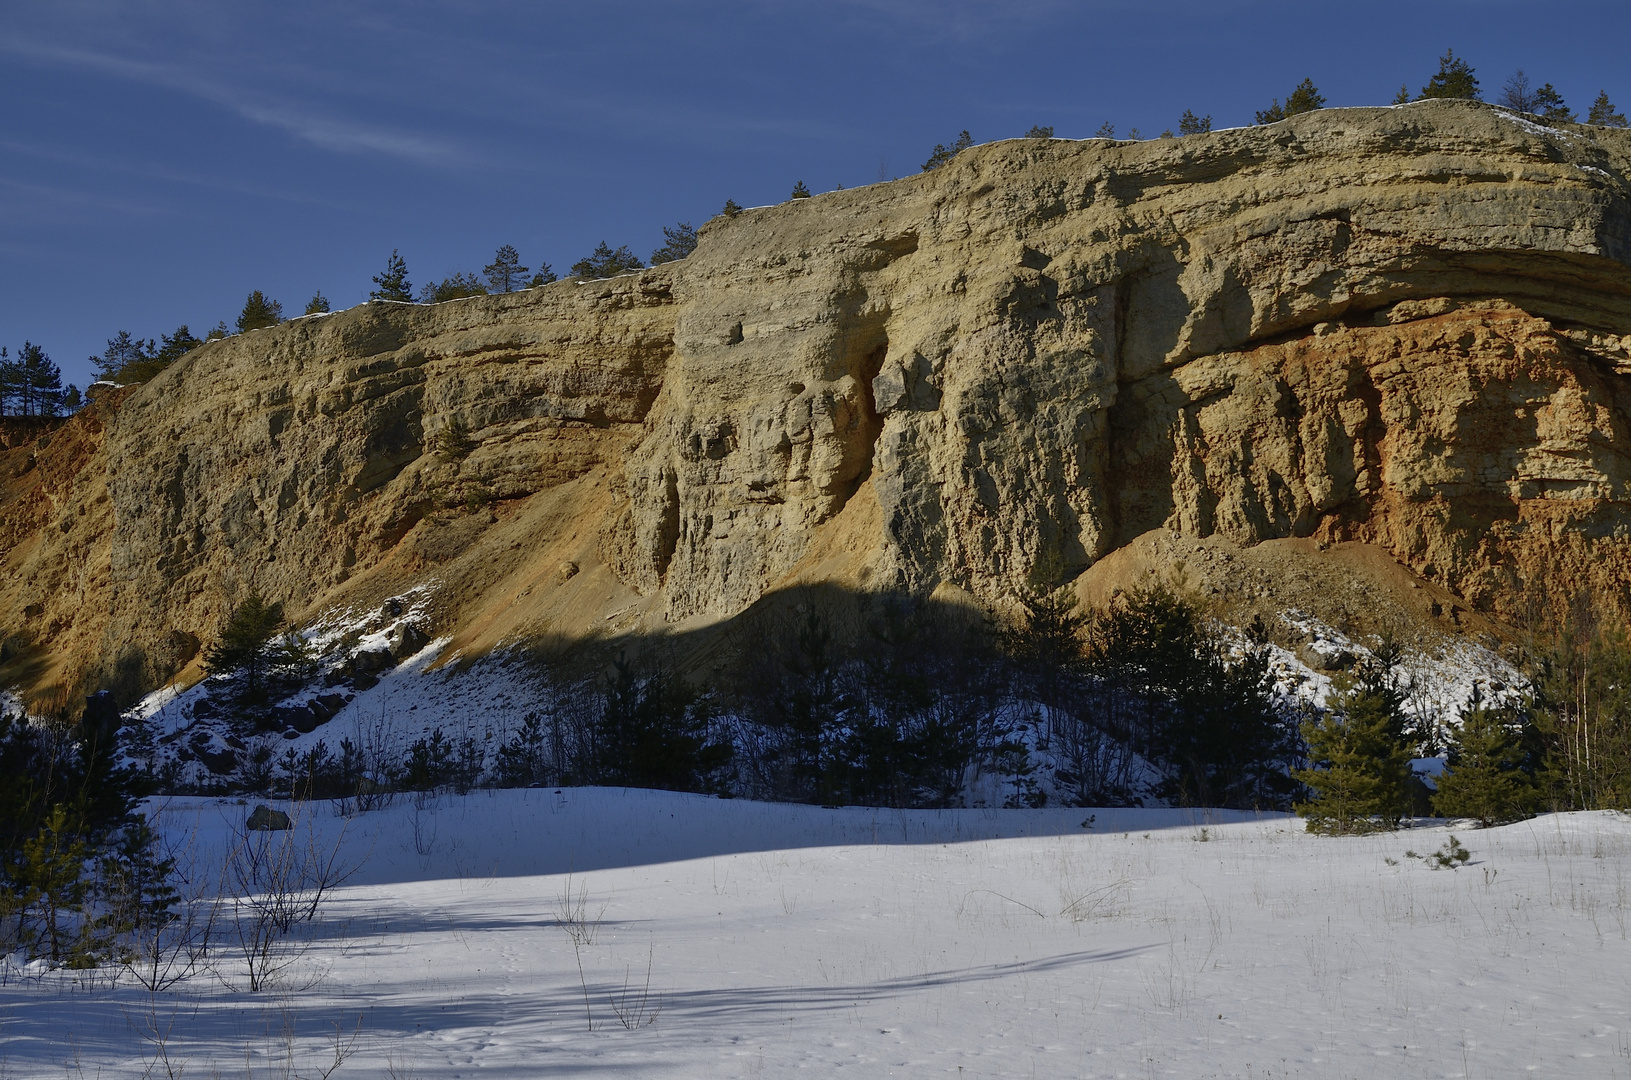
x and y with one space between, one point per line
319 129
104 162
38 196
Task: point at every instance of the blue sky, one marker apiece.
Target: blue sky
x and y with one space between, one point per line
158 161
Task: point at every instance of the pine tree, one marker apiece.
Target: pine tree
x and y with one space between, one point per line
71 399
1603 114
135 881
123 352
1403 96
9 389
731 208
173 347
38 382
318 304
1190 124
505 273
129 360
221 330
656 731
800 191
1454 79
1305 98
1583 714
544 276
1361 775
1038 131
393 283
1107 130
1485 777
943 153
53 878
456 287
604 262
247 644
679 242
259 312
1549 106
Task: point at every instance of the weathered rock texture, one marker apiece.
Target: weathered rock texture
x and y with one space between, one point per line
1407 327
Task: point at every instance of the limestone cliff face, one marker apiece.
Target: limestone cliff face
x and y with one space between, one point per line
1408 327
296 459
1047 348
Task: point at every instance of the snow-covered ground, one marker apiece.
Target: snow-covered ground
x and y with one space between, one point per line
417 690
976 943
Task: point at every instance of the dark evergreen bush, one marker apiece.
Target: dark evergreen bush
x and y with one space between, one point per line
943 153
1454 79
604 262
1488 774
656 730
259 312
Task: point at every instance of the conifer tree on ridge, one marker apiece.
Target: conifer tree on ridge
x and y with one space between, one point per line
1603 113
392 283
259 312
505 273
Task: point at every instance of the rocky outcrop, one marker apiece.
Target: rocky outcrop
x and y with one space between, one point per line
1047 348
296 459
1406 327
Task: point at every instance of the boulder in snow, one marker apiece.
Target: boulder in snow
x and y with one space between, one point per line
265 819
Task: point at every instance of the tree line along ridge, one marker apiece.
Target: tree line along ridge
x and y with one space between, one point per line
30 383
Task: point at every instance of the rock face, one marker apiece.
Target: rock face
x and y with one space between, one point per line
1047 348
1408 327
294 459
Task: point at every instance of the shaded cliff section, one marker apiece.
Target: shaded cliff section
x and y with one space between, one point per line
1407 329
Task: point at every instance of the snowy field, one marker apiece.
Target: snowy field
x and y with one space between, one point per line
698 937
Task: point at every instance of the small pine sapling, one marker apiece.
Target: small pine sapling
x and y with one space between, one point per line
453 442
1190 124
1452 856
800 191
318 304
522 760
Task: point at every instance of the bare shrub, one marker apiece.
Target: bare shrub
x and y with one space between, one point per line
272 881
